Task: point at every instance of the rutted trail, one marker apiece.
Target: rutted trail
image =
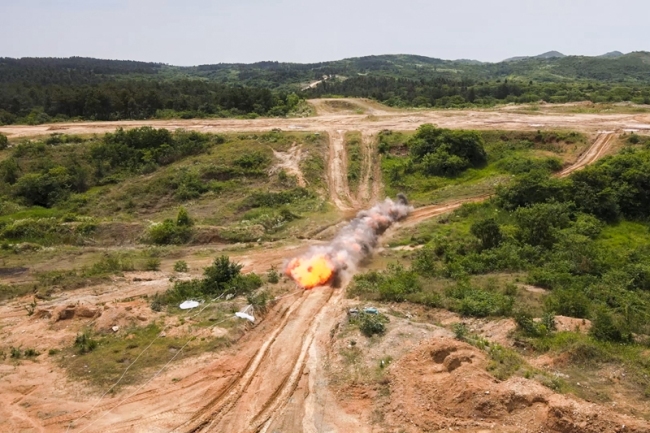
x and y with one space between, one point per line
368 191
270 377
337 171
596 151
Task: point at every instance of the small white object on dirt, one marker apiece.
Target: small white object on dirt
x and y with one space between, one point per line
245 316
115 328
188 305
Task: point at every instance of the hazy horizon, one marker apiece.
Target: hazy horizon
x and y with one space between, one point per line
207 32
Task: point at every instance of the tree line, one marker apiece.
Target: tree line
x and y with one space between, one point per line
137 99
448 92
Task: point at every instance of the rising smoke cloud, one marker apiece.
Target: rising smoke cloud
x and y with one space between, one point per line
329 264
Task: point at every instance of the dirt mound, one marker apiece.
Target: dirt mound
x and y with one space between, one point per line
571 324
443 384
124 316
67 312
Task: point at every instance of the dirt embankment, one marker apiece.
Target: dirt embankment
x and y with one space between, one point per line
443 384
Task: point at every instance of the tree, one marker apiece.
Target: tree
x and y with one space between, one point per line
183 219
604 328
540 224
531 188
488 232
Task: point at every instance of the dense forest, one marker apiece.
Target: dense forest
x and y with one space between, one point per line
38 90
445 92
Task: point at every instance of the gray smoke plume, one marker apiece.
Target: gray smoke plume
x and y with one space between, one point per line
356 241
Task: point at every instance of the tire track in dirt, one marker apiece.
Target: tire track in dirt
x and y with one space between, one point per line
337 170
270 378
171 403
264 420
596 151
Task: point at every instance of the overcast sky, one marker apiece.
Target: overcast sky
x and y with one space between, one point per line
192 32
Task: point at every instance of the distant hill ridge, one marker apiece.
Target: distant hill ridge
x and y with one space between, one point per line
552 66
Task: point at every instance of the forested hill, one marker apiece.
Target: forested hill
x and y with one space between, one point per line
36 90
632 67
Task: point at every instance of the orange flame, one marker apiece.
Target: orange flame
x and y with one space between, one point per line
311 272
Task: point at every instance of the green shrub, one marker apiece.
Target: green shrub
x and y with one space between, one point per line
520 165
568 302
273 276
252 161
31 353
540 223
110 263
15 353
531 188
488 233
604 328
4 142
275 199
441 163
531 328
470 301
171 232
183 218
168 233
221 278
181 266
370 324
397 284
84 343
259 300
461 331
152 264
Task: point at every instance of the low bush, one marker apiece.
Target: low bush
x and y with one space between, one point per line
172 232
223 277
272 276
152 264
370 324
84 343
181 266
470 301
393 285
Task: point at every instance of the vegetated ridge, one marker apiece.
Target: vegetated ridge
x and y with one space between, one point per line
40 90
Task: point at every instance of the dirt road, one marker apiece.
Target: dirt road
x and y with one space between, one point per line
379 119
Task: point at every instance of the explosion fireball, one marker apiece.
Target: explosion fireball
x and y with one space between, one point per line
324 265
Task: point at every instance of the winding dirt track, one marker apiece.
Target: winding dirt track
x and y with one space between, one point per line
596 151
270 380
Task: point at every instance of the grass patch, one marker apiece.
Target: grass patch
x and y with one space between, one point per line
353 148
103 365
